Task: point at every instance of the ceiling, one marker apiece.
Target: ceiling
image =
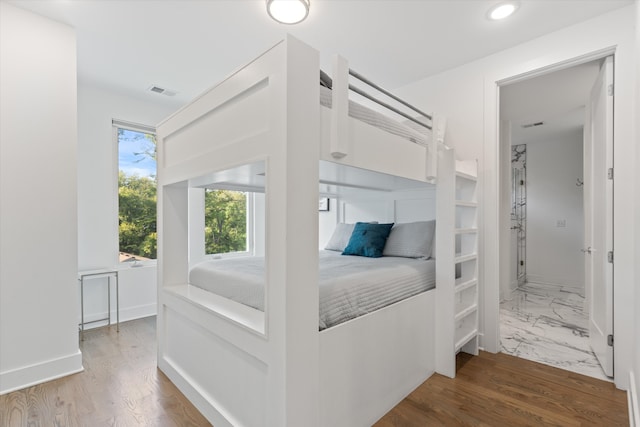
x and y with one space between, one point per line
187 46
555 99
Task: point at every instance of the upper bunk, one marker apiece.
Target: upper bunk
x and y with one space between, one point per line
232 129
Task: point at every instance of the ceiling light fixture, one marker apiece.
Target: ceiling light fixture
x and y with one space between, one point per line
288 11
502 10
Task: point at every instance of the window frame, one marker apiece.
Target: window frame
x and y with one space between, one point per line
250 232
135 127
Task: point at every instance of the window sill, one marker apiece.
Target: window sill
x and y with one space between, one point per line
228 255
139 264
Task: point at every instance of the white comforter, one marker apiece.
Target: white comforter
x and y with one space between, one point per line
408 130
349 286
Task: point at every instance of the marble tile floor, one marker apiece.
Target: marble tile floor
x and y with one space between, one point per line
547 324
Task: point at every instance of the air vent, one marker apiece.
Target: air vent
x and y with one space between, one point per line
161 90
531 125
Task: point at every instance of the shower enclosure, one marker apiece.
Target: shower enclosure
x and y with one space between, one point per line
519 211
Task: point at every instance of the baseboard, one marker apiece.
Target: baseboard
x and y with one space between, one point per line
194 394
481 342
27 376
506 295
138 312
126 314
632 396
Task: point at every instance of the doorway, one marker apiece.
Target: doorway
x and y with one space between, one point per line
544 306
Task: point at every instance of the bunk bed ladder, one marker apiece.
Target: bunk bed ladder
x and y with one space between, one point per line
457 261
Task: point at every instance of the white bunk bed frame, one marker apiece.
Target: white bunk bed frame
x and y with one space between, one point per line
243 367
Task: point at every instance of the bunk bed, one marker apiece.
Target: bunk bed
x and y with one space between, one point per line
263 129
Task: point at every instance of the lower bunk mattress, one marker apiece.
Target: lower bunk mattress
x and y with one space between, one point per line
349 286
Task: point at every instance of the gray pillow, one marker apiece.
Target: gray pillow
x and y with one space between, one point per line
340 237
411 240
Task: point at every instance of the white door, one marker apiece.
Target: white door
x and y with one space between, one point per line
598 202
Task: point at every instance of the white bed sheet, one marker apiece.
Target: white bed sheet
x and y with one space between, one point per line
349 286
409 130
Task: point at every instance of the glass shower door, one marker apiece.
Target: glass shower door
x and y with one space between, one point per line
519 211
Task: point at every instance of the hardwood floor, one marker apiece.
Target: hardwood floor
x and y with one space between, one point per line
121 386
502 390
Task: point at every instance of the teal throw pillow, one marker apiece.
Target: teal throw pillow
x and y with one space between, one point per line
368 239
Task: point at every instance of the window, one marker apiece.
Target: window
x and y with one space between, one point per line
136 193
226 221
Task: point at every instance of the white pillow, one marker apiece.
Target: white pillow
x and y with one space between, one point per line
341 235
411 240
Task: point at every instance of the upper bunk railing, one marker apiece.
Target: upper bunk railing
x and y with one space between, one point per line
390 95
339 144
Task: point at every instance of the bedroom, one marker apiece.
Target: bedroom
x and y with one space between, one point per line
453 89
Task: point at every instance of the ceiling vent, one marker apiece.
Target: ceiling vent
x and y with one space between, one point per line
532 125
161 90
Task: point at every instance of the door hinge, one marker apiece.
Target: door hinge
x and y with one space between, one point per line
610 90
610 173
610 256
610 340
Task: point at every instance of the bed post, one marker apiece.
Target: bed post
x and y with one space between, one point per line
445 271
439 125
340 108
292 243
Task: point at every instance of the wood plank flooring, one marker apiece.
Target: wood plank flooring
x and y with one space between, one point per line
502 390
121 386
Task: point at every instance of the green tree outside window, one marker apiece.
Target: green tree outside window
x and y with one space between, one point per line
137 195
225 221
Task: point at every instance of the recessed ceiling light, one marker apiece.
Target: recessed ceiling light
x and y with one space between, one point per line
502 10
288 11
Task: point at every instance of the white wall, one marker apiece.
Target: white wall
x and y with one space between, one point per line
98 165
38 219
327 221
259 226
553 250
398 207
469 97
636 353
98 195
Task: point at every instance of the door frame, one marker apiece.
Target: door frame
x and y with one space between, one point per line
496 268
598 332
